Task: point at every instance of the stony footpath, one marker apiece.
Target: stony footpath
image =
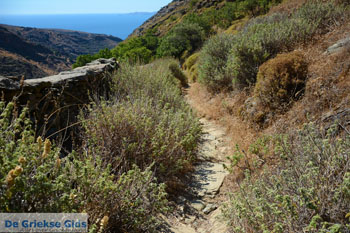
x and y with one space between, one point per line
200 211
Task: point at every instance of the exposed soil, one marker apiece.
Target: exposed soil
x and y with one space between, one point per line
199 210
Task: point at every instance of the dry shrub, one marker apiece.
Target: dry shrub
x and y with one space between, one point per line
223 108
178 74
281 80
287 7
327 88
191 61
309 191
34 178
148 122
191 67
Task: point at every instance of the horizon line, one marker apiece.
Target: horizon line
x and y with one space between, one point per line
119 13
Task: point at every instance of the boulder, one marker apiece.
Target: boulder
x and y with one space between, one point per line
341 44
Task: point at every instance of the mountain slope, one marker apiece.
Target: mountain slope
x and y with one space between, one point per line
171 14
45 51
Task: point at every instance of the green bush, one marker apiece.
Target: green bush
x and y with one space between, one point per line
34 178
138 49
148 122
261 40
82 60
183 38
200 19
280 79
224 16
256 7
308 191
212 63
265 37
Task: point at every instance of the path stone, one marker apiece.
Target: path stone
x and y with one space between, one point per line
198 205
210 208
209 177
190 220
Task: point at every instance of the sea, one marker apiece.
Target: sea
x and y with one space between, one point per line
119 25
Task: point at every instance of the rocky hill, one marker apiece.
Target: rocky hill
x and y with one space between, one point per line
171 14
35 53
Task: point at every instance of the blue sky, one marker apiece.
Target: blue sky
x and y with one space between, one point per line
79 6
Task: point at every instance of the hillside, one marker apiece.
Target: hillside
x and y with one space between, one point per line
40 52
173 13
180 28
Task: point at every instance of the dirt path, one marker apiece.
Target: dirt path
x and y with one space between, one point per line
199 211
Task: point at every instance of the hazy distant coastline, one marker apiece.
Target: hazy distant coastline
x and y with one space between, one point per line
119 25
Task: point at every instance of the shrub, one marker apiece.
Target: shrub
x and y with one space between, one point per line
34 178
307 192
183 38
82 60
264 37
321 16
212 62
154 81
191 61
227 13
178 74
139 49
130 202
200 19
31 177
190 66
148 122
244 61
280 79
140 54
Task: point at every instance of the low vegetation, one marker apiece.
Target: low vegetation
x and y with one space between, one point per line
147 123
35 178
281 80
82 60
191 67
143 137
263 38
185 36
212 63
308 191
181 41
136 50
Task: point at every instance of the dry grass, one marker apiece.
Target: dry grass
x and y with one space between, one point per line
327 89
223 108
287 7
